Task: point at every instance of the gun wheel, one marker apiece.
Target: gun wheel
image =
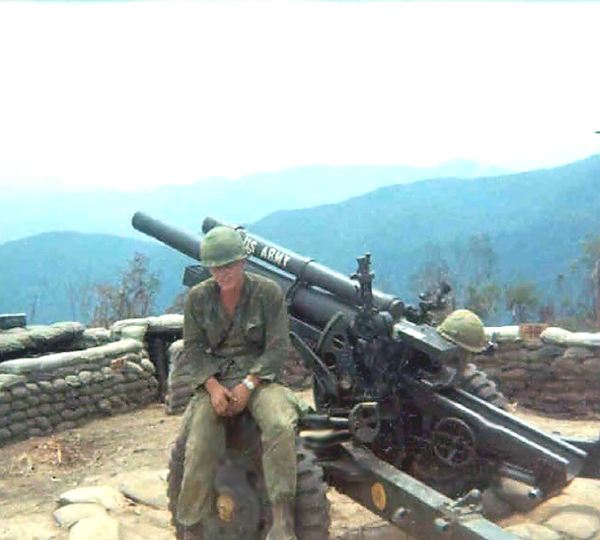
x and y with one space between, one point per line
312 506
476 382
174 479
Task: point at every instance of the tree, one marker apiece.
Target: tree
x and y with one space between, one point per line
522 301
434 271
132 297
178 303
591 263
483 299
476 284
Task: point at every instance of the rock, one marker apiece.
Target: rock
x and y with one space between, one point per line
576 524
30 527
516 494
532 531
69 515
108 497
146 487
96 528
493 506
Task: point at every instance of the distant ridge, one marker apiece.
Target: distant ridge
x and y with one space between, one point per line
241 201
536 221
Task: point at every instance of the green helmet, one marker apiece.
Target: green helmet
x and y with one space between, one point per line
465 329
221 246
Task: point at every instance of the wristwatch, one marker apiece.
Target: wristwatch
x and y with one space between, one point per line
248 384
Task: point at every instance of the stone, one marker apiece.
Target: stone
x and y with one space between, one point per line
494 507
578 525
69 515
30 527
94 528
108 497
516 493
533 531
146 487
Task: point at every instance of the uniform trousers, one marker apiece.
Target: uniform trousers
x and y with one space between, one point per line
276 411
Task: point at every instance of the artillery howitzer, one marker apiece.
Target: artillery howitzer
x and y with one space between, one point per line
401 436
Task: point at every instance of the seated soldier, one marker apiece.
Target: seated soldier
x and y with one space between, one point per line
236 338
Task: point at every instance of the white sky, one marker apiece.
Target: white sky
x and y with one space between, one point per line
138 94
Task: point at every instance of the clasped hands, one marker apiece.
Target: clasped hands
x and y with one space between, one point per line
227 402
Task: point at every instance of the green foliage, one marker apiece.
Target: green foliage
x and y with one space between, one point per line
591 252
522 300
132 297
481 234
483 299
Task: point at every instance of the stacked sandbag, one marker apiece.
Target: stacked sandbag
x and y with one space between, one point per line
180 382
557 374
58 391
91 337
35 340
137 328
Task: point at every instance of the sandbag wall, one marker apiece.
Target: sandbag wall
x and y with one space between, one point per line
179 382
557 374
58 391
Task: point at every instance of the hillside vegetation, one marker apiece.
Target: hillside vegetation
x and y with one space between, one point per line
241 201
530 227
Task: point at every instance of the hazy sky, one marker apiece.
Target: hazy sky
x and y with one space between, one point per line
124 95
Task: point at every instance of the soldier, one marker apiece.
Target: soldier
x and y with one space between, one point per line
236 336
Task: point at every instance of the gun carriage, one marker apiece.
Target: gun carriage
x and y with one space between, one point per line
393 428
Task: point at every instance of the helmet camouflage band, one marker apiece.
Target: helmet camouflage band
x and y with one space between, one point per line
465 329
222 246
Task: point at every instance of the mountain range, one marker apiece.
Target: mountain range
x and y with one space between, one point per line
29 212
535 221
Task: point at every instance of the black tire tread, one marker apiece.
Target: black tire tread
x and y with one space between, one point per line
476 382
312 506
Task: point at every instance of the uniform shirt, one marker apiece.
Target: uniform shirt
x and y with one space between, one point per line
257 342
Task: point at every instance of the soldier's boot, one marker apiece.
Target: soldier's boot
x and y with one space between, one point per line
283 521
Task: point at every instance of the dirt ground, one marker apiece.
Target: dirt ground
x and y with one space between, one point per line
34 472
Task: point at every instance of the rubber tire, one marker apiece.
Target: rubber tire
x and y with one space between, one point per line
312 506
174 479
476 382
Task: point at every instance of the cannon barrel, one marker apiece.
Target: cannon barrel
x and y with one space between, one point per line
314 306
182 241
310 272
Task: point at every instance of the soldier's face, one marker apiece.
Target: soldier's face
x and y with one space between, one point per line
229 276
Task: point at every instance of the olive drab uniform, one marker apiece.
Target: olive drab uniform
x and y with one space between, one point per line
255 341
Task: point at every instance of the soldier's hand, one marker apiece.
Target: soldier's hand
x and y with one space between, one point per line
220 398
240 398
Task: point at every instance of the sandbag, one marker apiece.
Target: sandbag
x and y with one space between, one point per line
498 334
52 362
563 337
